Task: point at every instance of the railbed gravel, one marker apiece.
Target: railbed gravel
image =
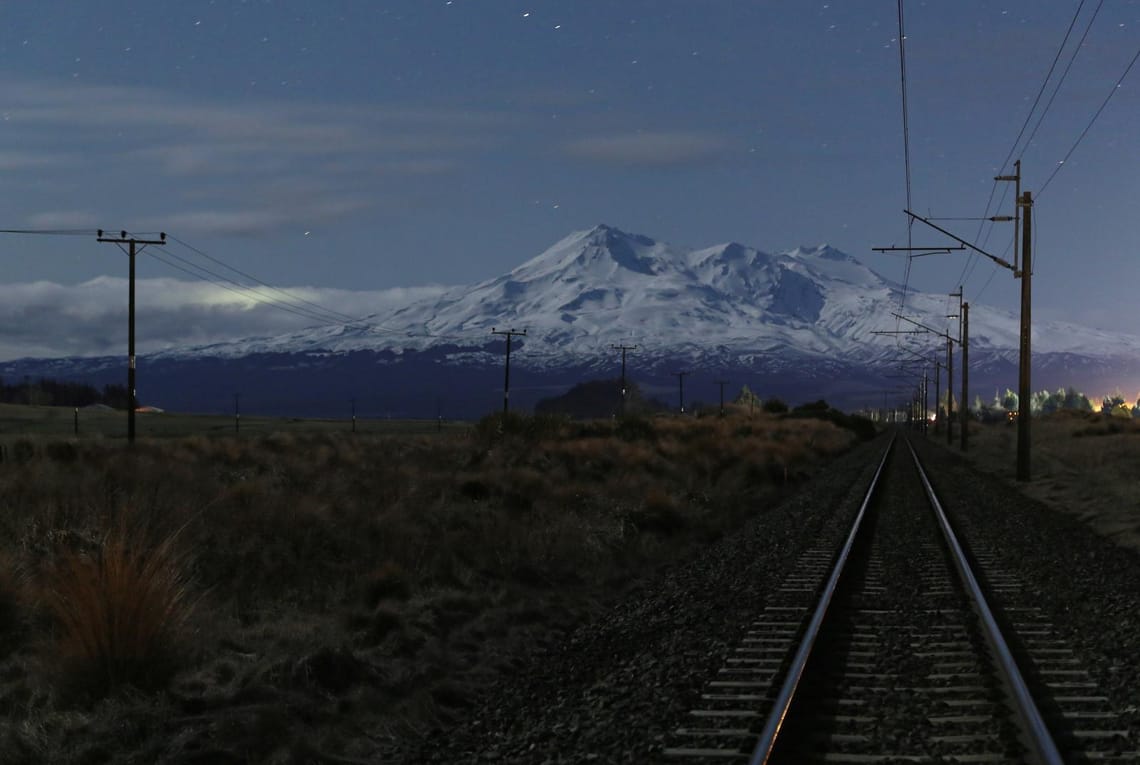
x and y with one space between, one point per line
618 685
1088 586
615 688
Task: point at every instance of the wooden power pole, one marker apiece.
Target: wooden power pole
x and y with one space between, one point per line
623 349
508 333
965 373
1024 393
134 246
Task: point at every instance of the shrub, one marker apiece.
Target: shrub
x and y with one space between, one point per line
530 427
636 429
774 406
9 597
121 612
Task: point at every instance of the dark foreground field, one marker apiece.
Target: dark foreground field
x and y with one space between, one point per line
330 597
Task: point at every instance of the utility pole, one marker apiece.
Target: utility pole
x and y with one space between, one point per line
949 390
353 404
925 400
950 374
509 334
681 388
237 412
623 349
965 371
722 383
135 246
1025 273
937 392
1024 395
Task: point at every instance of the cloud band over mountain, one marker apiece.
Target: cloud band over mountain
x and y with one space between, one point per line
48 319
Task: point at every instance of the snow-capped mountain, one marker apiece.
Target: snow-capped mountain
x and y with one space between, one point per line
803 324
605 286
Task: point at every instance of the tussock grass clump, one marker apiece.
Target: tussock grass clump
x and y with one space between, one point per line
9 598
121 612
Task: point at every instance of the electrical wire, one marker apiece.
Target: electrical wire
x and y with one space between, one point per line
906 152
1061 80
50 231
1088 127
1044 83
255 293
971 260
236 290
209 275
289 296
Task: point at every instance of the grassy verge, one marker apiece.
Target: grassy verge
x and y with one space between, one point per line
289 597
1081 463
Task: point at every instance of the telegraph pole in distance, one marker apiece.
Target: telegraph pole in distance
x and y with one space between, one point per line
509 334
681 388
950 373
134 248
1024 395
623 349
965 371
237 413
937 392
1025 273
949 390
722 383
353 405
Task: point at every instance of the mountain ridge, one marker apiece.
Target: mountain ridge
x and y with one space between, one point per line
812 318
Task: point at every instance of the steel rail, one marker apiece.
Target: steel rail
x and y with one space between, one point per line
1040 739
783 700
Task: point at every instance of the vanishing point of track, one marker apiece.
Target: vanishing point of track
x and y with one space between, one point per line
901 646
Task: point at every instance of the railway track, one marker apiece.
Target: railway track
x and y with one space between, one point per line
902 646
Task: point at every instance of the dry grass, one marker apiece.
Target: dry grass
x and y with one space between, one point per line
121 611
423 565
1082 464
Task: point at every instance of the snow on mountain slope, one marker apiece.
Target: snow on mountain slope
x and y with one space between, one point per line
604 286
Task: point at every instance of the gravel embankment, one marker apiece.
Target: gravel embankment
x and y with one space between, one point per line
1088 586
617 686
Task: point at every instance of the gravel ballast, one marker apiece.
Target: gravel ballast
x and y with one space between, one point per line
616 687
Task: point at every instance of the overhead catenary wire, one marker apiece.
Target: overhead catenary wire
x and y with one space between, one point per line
971 260
906 151
1088 127
1064 75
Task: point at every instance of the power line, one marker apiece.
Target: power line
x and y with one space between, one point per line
50 231
247 291
1061 80
1088 127
264 284
970 261
240 291
906 149
1044 83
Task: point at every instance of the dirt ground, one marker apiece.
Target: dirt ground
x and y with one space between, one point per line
1086 465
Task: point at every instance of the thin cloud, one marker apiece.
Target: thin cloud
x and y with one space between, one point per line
247 152
48 319
64 219
648 149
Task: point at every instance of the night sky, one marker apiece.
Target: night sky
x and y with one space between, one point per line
351 150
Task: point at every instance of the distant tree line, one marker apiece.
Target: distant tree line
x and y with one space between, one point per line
45 392
1046 402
